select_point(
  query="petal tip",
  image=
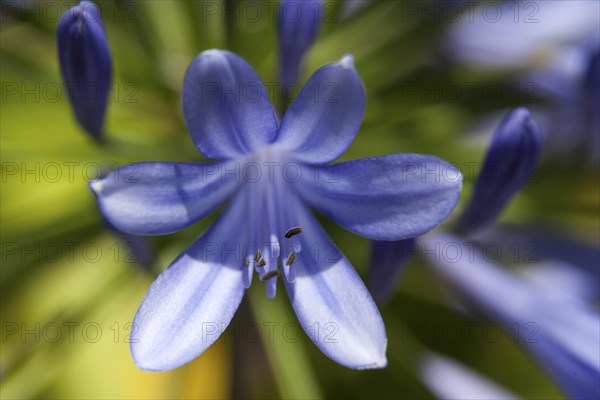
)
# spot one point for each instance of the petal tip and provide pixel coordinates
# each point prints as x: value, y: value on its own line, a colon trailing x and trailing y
x: 347, y: 61
x: 143, y: 362
x: 97, y: 185
x: 209, y: 52
x: 378, y: 364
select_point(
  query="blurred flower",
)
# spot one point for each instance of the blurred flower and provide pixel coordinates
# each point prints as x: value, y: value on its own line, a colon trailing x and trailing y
x: 509, y: 163
x: 298, y: 23
x: 449, y: 379
x: 550, y: 60
x: 85, y: 64
x: 562, y: 333
x: 544, y: 30
x: 569, y: 266
x: 271, y: 174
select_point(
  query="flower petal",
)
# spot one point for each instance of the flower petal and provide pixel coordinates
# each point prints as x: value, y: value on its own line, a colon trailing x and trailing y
x: 449, y: 379
x: 323, y: 120
x: 156, y: 198
x: 332, y: 304
x: 191, y: 303
x: 563, y: 334
x: 392, y: 197
x: 226, y: 106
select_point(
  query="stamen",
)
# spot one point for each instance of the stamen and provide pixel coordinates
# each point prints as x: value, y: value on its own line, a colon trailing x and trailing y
x: 257, y: 256
x: 270, y: 275
x: 291, y: 258
x: 246, y: 262
x: 261, y: 262
x: 293, y: 231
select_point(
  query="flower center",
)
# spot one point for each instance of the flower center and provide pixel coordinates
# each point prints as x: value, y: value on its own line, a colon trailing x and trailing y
x: 273, y: 237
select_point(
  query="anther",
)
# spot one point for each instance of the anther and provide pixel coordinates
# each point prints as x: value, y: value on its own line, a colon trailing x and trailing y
x: 269, y: 275
x: 246, y: 262
x: 291, y: 258
x: 257, y: 256
x: 293, y: 231
x: 261, y: 262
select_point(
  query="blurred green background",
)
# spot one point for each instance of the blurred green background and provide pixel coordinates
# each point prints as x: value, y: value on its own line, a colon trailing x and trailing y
x: 69, y: 287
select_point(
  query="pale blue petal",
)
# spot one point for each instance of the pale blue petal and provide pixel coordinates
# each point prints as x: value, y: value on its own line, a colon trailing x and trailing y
x: 488, y: 37
x: 562, y: 333
x: 392, y: 197
x: 332, y: 304
x: 191, y: 303
x: 324, y: 118
x: 449, y: 379
x: 226, y: 106
x: 156, y: 198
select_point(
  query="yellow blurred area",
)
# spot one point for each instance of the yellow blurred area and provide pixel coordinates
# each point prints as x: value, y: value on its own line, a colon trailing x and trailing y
x: 66, y: 335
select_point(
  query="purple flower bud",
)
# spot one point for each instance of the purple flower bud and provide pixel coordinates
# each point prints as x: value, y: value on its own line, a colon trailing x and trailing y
x: 509, y: 163
x: 85, y: 64
x: 297, y: 28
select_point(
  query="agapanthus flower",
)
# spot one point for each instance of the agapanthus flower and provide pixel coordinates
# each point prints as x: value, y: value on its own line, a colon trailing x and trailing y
x: 85, y: 64
x: 562, y: 333
x: 271, y: 174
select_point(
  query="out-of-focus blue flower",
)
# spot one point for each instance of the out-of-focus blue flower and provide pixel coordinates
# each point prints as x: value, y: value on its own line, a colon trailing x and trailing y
x: 271, y: 174
x: 298, y: 24
x: 544, y: 30
x: 449, y: 379
x: 85, y: 64
x: 562, y: 333
x: 509, y: 163
x: 388, y: 260
x: 550, y: 60
x: 550, y: 259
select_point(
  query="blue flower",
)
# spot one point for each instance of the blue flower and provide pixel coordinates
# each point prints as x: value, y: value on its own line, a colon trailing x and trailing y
x: 270, y: 174
x: 508, y: 165
x: 298, y: 23
x: 85, y: 64
x: 545, y: 29
x: 562, y: 333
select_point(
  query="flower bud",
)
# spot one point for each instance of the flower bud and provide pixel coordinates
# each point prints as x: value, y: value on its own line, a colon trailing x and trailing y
x: 85, y: 64
x: 509, y: 163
